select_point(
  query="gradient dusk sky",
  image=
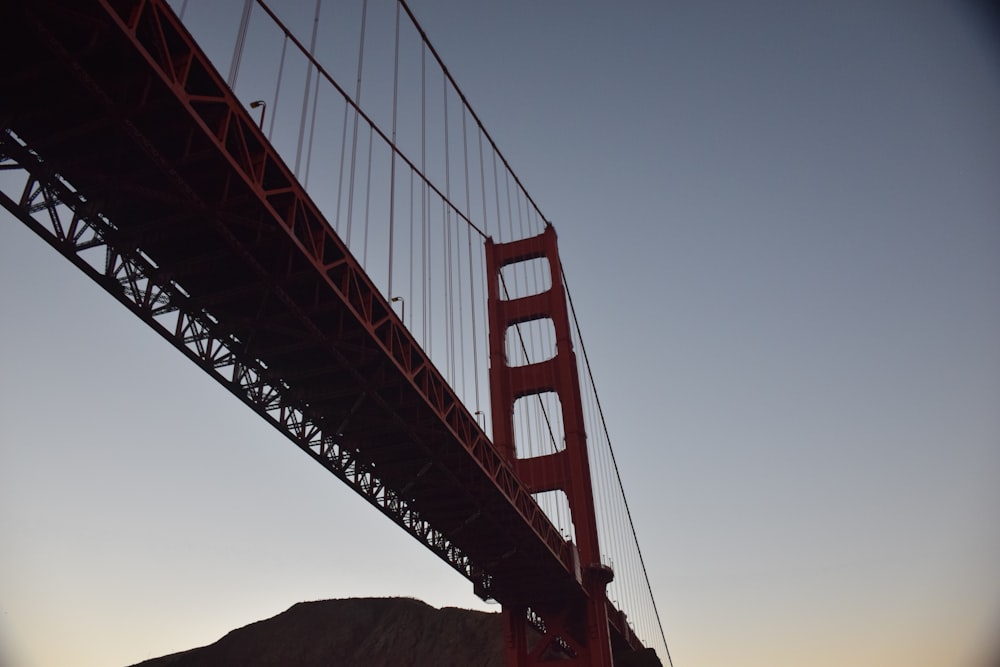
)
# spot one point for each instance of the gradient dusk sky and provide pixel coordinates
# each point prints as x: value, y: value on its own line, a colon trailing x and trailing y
x: 780, y: 222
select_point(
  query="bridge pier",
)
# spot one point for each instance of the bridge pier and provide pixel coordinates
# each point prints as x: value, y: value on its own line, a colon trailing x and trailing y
x: 571, y: 630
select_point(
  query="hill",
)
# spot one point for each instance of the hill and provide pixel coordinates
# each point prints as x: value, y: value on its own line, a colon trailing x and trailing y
x: 373, y: 632
x: 369, y: 632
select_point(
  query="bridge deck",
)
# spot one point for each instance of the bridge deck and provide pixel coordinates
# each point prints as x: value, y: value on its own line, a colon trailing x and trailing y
x: 117, y: 99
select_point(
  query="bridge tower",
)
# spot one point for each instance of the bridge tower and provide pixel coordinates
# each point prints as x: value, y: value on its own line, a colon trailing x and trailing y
x: 572, y: 631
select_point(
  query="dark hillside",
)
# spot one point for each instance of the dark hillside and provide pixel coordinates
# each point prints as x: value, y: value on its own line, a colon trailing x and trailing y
x: 371, y: 632
x: 364, y: 632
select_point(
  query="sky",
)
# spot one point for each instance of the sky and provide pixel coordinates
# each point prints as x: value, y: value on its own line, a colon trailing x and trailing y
x: 781, y: 227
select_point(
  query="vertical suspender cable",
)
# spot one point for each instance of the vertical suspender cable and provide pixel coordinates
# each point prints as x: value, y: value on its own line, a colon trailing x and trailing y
x: 354, y: 141
x: 340, y: 173
x: 446, y: 221
x: 465, y: 164
x: 510, y: 215
x: 482, y: 184
x: 520, y: 218
x: 449, y: 297
x: 312, y: 133
x: 241, y: 38
x: 461, y: 279
x: 277, y: 88
x: 368, y: 195
x: 496, y: 193
x: 472, y: 298
x: 423, y: 196
x: 392, y: 154
x: 305, y: 93
x: 461, y: 306
x: 410, y: 294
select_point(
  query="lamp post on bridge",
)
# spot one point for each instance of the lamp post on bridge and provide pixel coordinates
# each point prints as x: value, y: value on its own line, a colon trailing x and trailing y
x: 263, y: 110
x: 402, y: 310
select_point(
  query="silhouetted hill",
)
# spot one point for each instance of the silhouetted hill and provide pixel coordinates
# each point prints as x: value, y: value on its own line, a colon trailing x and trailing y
x: 371, y: 632
x: 363, y: 632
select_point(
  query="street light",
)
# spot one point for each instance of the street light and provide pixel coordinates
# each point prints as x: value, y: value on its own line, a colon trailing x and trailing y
x: 402, y: 315
x: 263, y: 110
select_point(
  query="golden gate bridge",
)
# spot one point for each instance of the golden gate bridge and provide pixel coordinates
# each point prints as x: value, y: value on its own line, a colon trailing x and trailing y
x: 336, y: 238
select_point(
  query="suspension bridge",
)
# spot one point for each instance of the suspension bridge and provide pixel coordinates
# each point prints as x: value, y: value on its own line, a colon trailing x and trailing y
x: 329, y: 231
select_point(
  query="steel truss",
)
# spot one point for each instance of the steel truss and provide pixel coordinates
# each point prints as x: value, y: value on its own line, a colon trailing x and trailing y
x: 71, y: 224
x: 157, y: 160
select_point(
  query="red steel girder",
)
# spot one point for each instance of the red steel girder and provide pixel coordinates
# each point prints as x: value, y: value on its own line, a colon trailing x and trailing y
x: 177, y: 129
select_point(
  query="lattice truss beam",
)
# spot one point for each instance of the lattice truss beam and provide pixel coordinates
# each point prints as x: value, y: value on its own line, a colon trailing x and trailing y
x: 69, y: 222
x: 201, y: 220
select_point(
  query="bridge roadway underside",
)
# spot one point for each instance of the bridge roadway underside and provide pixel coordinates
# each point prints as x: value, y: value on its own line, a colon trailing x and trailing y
x: 97, y: 111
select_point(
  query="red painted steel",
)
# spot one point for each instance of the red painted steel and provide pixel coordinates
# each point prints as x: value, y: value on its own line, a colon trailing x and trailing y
x: 575, y: 627
x: 121, y: 121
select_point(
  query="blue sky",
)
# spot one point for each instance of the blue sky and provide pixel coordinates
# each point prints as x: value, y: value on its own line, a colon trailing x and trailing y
x: 781, y: 228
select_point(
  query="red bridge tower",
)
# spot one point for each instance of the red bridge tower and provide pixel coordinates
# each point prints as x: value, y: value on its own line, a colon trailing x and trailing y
x: 573, y: 631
